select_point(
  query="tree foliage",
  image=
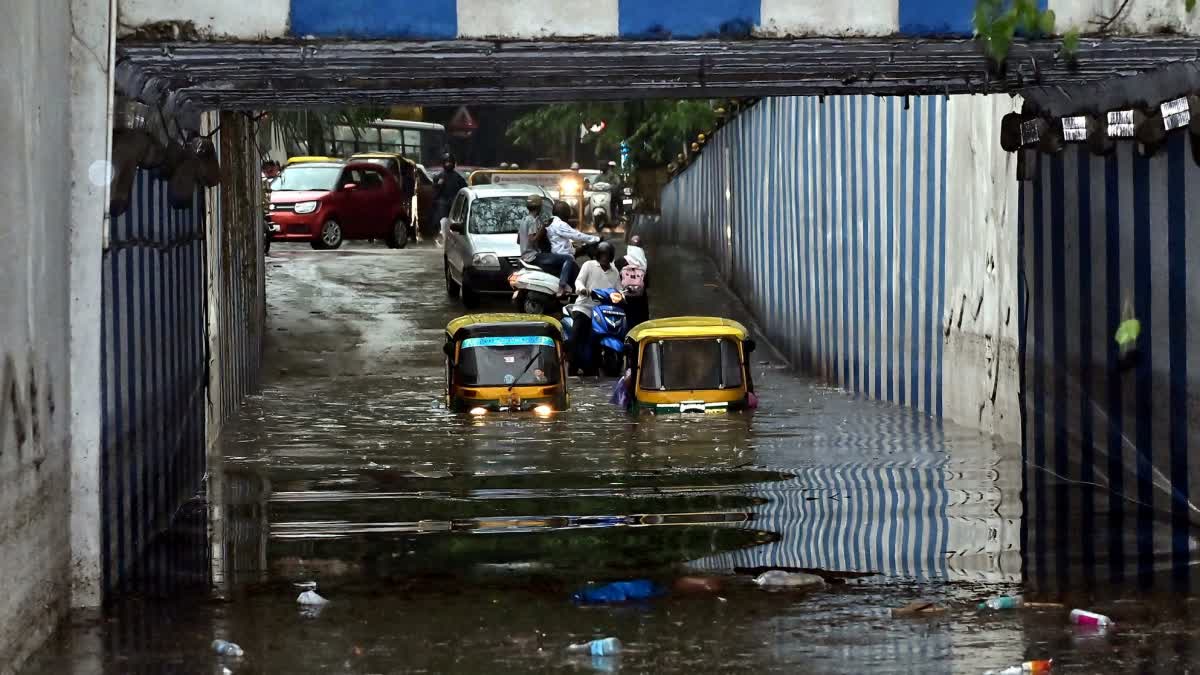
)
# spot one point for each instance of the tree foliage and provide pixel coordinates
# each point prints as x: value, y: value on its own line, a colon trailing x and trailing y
x: 311, y: 131
x: 654, y: 129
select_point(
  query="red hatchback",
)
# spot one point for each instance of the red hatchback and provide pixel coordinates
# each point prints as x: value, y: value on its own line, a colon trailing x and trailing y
x: 325, y: 203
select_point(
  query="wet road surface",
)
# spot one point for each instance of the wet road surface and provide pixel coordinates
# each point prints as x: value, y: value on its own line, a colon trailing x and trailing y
x: 452, y: 544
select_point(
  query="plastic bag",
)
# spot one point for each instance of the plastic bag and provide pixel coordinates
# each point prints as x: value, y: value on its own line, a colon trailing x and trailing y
x: 620, y: 395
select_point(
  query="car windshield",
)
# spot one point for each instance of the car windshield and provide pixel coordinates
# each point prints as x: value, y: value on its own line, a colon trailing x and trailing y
x: 682, y: 365
x: 497, y: 215
x: 508, y: 361
x: 306, y: 178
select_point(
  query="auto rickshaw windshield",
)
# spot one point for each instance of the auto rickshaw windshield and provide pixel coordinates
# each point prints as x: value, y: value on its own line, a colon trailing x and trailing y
x: 508, y: 361
x: 683, y: 365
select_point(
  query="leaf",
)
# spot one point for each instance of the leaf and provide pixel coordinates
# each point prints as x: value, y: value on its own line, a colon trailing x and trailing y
x: 1070, y: 43
x: 1046, y: 22
x: 1189, y: 4
x: 1128, y: 332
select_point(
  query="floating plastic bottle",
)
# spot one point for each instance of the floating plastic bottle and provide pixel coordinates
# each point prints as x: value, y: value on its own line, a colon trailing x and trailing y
x: 1041, y: 666
x: 1003, y: 602
x: 604, y: 647
x: 224, y: 648
x: 1085, y: 618
x: 618, y: 591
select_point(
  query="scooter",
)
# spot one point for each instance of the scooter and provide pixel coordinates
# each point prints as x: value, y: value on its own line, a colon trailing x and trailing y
x: 535, y: 291
x: 600, y: 206
x: 604, y: 351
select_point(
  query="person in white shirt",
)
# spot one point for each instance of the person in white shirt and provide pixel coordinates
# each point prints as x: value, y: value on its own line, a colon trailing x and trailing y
x: 596, y: 274
x: 562, y: 235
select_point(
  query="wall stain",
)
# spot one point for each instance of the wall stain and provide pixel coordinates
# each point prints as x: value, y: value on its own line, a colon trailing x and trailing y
x: 11, y: 404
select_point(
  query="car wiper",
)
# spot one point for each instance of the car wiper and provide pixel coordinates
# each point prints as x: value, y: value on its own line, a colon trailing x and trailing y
x: 536, y: 356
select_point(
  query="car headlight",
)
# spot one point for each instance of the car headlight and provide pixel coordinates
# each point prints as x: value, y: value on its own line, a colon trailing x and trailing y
x: 306, y: 207
x: 485, y: 260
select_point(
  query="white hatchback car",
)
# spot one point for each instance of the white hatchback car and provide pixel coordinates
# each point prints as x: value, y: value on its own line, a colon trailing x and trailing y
x: 480, y: 235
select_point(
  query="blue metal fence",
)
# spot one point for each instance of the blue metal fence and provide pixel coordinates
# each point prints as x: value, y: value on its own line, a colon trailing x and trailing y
x: 1108, y: 436
x: 154, y: 373
x: 829, y: 219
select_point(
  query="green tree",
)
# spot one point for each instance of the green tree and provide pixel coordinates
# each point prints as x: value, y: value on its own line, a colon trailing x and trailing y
x: 311, y: 131
x: 654, y: 129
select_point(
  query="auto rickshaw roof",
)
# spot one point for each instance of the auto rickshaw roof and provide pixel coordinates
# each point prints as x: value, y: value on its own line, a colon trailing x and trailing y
x: 689, y: 327
x: 492, y: 325
x: 312, y: 160
x: 382, y: 155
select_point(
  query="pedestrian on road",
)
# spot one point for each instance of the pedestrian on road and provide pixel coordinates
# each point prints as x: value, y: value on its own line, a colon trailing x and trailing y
x: 447, y: 185
x: 637, y: 302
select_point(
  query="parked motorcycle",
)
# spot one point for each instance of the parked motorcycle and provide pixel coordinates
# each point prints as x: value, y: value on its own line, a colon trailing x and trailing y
x: 603, y: 350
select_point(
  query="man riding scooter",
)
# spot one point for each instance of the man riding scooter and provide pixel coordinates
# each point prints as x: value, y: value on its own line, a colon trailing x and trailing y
x: 597, y: 315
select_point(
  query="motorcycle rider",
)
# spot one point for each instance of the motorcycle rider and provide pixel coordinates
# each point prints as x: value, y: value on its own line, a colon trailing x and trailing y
x: 534, y: 239
x: 562, y: 236
x: 614, y: 181
x: 446, y: 187
x: 596, y: 274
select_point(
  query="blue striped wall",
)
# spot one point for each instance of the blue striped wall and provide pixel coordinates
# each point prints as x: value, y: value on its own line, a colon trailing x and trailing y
x: 1108, y: 443
x: 829, y: 220
x: 624, y: 19
x: 154, y: 375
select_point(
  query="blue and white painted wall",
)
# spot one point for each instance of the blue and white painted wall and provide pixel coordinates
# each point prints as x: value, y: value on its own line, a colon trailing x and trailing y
x: 1110, y: 442
x: 830, y: 219
x: 613, y: 19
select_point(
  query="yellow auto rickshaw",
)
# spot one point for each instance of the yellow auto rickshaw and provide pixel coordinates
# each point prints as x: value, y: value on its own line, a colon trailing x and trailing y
x: 310, y: 160
x: 691, y: 364
x: 505, y: 363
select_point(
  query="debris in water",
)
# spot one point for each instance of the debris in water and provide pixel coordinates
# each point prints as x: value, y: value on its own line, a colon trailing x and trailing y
x: 781, y: 579
x: 309, y: 597
x: 918, y: 608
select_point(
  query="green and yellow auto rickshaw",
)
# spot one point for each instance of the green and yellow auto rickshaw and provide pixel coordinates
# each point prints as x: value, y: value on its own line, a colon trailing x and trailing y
x: 690, y: 364
x: 505, y: 363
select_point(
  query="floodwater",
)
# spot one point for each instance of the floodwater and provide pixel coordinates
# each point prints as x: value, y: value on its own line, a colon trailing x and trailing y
x: 453, y: 544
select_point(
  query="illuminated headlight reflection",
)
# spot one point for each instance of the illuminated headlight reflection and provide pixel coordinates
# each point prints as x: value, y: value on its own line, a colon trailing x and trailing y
x: 543, y: 410
x: 306, y: 207
x: 478, y: 411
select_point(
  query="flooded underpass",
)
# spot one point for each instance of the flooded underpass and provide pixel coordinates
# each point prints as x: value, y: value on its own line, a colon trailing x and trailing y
x: 448, y: 543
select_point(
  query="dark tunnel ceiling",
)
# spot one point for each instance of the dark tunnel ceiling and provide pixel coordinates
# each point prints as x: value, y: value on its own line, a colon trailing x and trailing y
x: 303, y: 74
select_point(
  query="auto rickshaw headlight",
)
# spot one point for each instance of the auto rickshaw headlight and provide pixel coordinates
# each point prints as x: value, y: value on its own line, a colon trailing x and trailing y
x: 478, y: 411
x: 543, y: 410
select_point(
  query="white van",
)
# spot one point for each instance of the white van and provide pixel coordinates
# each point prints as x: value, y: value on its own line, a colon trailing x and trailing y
x: 480, y: 235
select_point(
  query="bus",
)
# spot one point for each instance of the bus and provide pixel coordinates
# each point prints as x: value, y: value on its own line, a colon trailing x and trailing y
x: 422, y: 142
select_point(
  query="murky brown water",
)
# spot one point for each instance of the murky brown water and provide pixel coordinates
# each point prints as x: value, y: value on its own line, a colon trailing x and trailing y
x: 452, y: 544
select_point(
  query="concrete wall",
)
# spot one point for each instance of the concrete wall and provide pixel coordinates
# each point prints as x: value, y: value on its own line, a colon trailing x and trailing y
x: 980, y: 322
x: 34, y: 333
x: 630, y: 19
x: 54, y: 84
x: 1144, y: 17
x: 1104, y: 239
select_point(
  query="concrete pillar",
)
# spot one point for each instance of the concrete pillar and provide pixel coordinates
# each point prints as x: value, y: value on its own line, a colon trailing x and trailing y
x: 93, y: 24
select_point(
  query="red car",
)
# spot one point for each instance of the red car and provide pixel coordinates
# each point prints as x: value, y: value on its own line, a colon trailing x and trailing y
x: 325, y: 203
